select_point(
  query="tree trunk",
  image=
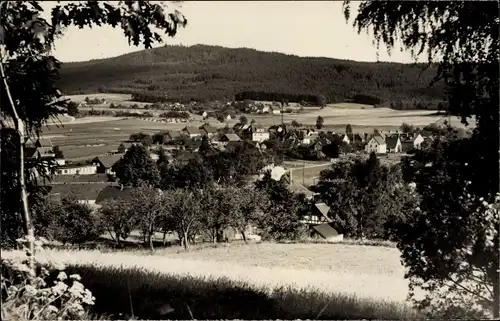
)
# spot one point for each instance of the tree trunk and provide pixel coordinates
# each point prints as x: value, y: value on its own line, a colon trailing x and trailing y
x: 496, y: 297
x: 164, y: 236
x: 185, y: 240
x: 28, y: 225
x: 151, y: 246
x: 244, y: 236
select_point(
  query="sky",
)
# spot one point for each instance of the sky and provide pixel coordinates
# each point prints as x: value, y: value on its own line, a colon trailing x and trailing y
x: 302, y: 28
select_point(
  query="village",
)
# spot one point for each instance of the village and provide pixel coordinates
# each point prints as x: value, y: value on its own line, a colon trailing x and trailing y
x: 93, y: 181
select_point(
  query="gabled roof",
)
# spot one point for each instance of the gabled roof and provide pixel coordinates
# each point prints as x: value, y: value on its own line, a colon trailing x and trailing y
x: 391, y: 141
x: 208, y: 128
x: 323, y: 209
x: 114, y: 193
x: 81, y: 191
x: 299, y: 188
x: 326, y: 230
x: 173, y: 133
x: 231, y: 137
x: 192, y: 130
x: 94, y: 178
x: 379, y: 139
x: 108, y: 160
x: 44, y: 142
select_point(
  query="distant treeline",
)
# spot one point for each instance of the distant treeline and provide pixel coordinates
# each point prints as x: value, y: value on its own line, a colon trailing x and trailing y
x: 317, y: 100
x: 209, y: 73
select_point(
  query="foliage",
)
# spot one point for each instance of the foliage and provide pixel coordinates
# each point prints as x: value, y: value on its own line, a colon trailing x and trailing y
x: 58, y: 152
x: 282, y: 209
x: 448, y: 232
x: 118, y: 218
x: 27, y: 41
x: 182, y: 211
x: 136, y: 166
x: 364, y: 196
x: 44, y: 294
x: 319, y: 122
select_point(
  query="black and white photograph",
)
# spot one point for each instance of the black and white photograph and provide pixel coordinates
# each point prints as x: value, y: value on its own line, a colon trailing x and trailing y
x: 249, y: 160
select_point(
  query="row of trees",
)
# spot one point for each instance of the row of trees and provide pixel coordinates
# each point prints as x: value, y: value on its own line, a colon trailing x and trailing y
x: 318, y: 100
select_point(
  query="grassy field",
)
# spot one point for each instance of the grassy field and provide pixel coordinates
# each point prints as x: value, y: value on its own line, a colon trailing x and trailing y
x: 255, y: 281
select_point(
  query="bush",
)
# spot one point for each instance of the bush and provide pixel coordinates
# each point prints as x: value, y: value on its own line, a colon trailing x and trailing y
x: 46, y: 293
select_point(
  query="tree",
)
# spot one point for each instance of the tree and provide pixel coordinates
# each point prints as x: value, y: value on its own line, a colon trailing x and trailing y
x: 29, y: 72
x: 205, y: 147
x: 243, y: 120
x: 149, y: 207
x: 75, y: 223
x: 118, y: 218
x: 406, y: 128
x: 73, y: 109
x: 136, y: 166
x: 294, y: 123
x: 182, y: 212
x: 465, y: 37
x: 348, y: 130
x: 281, y: 207
x: 249, y: 205
x: 58, y: 152
x: 319, y: 122
x: 121, y: 149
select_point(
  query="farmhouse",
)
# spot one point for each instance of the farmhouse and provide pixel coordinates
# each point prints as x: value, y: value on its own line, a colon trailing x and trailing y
x: 192, y: 132
x: 76, y: 179
x: 105, y: 163
x: 77, y: 169
x: 208, y: 130
x: 259, y: 133
x: 317, y: 215
x: 170, y: 136
x: 43, y: 146
x: 376, y: 145
x: 394, y: 144
x: 319, y: 143
x: 328, y: 231
x: 228, y: 138
x: 113, y: 192
x: 84, y: 193
x: 320, y: 224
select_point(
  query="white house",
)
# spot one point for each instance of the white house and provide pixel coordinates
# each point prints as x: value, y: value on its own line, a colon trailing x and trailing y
x: 376, y: 144
x: 192, y: 132
x: 417, y: 141
x: 228, y: 117
x: 77, y: 169
x: 259, y: 133
x: 277, y: 112
x: 346, y: 139
x: 205, y: 114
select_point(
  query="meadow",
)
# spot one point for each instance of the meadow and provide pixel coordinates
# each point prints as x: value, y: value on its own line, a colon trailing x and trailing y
x: 253, y: 281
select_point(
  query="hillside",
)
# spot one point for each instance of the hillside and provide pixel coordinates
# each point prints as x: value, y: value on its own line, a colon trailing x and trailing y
x: 204, y: 73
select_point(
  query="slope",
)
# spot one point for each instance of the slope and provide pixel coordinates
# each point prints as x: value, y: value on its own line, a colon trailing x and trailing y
x: 206, y: 73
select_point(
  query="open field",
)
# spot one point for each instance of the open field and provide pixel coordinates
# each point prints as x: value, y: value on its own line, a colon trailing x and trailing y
x: 355, y: 282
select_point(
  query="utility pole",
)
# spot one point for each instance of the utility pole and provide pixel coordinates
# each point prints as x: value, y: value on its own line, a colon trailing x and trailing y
x: 303, y: 172
x: 282, y: 122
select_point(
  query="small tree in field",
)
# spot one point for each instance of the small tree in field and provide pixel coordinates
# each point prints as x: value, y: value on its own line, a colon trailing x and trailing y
x: 319, y: 122
x: 148, y: 207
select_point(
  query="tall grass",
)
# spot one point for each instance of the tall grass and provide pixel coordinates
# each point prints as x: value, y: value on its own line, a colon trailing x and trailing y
x: 117, y: 289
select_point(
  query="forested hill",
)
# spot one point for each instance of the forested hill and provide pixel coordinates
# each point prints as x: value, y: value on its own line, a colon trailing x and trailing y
x: 206, y: 73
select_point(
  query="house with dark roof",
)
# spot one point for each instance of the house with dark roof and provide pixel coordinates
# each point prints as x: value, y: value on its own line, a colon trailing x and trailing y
x: 319, y: 143
x: 192, y: 132
x: 393, y: 143
x: 226, y: 138
x: 377, y: 145
x: 43, y: 147
x: 114, y: 192
x: 105, y: 163
x: 208, y: 130
x: 84, y: 193
x: 318, y: 215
